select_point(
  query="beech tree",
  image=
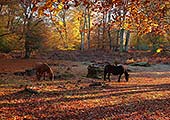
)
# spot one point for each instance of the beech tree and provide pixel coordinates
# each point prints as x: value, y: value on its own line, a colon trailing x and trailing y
x: 29, y: 22
x: 100, y: 17
x: 11, y: 25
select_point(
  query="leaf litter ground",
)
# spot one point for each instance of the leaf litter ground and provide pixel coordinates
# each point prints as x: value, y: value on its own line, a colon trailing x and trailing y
x: 145, y: 97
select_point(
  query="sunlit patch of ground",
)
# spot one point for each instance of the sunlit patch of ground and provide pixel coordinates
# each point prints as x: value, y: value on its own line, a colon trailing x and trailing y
x: 145, y: 97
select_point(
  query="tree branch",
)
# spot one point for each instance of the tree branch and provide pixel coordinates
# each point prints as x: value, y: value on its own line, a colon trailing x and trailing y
x: 2, y: 35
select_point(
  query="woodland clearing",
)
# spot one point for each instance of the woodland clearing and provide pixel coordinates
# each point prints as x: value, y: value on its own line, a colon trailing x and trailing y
x: 144, y: 97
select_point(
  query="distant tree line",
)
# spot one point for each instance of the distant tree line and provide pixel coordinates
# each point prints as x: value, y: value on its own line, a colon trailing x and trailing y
x: 31, y: 25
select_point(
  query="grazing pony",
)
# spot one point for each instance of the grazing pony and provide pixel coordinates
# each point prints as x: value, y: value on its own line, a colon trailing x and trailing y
x: 115, y: 70
x: 43, y: 70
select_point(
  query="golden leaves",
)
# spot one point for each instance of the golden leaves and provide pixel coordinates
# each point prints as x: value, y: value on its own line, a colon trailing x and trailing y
x: 52, y: 6
x: 159, y: 50
x: 40, y: 11
x: 146, y: 95
x: 60, y: 6
x: 143, y: 16
x: 61, y: 23
x: 154, y: 24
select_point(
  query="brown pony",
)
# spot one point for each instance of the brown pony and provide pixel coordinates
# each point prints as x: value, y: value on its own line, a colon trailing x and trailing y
x: 43, y: 70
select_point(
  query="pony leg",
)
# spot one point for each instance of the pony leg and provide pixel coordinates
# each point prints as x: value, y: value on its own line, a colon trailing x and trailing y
x: 51, y: 76
x: 109, y: 76
x: 119, y: 77
x: 44, y: 75
x: 105, y: 74
x: 38, y: 75
x: 126, y: 75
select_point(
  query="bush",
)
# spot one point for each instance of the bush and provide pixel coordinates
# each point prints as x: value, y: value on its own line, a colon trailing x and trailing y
x: 4, y: 47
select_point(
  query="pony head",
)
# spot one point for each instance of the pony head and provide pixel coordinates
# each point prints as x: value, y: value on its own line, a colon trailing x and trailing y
x: 126, y: 76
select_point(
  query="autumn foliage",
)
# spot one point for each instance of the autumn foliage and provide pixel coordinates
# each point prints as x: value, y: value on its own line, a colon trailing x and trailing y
x: 146, y: 15
x: 81, y: 24
x: 144, y: 96
x: 71, y: 35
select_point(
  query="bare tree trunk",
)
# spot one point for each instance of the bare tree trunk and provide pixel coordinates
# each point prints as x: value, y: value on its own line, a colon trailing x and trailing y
x: 26, y: 28
x: 138, y: 42
x: 88, y: 34
x: 25, y: 34
x: 109, y: 34
x: 117, y: 40
x: 65, y: 29
x: 27, y: 45
x: 98, y: 36
x: 28, y: 48
x: 121, y: 39
x: 82, y: 36
x: 104, y: 31
x: 123, y: 12
x: 127, y: 41
x: 83, y: 30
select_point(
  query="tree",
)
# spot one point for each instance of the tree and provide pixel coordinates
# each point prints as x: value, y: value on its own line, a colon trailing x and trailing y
x: 127, y: 40
x: 127, y: 16
x: 89, y: 25
x: 29, y: 22
x: 10, y: 22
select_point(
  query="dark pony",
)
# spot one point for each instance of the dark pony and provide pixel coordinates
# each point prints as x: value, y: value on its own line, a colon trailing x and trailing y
x: 115, y: 70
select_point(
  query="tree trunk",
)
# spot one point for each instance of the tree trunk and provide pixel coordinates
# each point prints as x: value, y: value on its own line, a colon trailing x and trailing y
x: 109, y: 34
x: 88, y: 34
x: 82, y: 41
x: 27, y: 52
x: 82, y: 37
x: 25, y: 34
x: 127, y: 40
x: 83, y: 30
x: 27, y: 42
x: 110, y: 40
x: 65, y: 29
x: 27, y: 48
x: 138, y: 43
x: 98, y: 36
x: 117, y: 41
x: 104, y: 31
x: 121, y: 39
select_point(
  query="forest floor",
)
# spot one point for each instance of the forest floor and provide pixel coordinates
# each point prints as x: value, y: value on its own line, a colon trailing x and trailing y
x: 146, y: 96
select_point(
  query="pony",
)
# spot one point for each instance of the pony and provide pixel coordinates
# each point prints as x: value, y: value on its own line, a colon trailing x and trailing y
x: 44, y: 70
x: 115, y: 70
